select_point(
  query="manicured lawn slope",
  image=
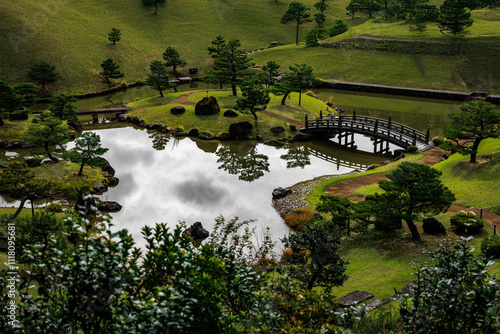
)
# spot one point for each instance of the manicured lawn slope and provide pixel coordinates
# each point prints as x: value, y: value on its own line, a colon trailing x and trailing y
x: 73, y: 35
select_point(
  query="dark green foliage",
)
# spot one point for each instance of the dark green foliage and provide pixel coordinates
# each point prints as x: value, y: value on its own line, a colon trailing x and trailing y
x: 426, y: 13
x: 270, y: 72
x: 298, y: 77
x: 437, y: 141
x: 110, y: 70
x: 172, y: 58
x: 19, y: 181
x: 369, y: 6
x: 53, y: 207
x: 14, y: 99
x: 230, y: 63
x: 412, y: 191
x: 411, y: 149
x: 466, y: 222
x: 158, y: 77
x: 42, y: 72
x: 87, y: 149
x: 454, y: 294
x: 453, y: 17
x: 102, y: 284
x: 339, y: 27
x: 314, y: 35
x: 297, y: 12
x: 340, y: 210
x: 476, y: 121
x: 320, y: 17
x: 314, y: 259
x: 49, y: 134
x: 115, y: 35
x: 490, y: 246
x: 255, y: 96
x: 408, y: 8
x: 37, y: 229
x: 154, y: 3
x: 353, y: 7
x: 62, y: 106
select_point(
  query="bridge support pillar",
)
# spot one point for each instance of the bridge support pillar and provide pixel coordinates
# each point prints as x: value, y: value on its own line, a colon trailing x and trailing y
x: 378, y: 146
x: 346, y: 139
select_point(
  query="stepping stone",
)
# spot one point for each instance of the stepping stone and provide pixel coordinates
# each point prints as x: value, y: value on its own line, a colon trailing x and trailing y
x: 354, y: 297
x: 374, y: 303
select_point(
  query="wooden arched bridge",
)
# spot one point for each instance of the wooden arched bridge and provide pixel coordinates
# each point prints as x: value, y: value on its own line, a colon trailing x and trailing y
x: 382, y: 131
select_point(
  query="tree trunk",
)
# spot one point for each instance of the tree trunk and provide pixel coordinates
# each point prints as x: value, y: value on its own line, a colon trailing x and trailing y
x: 18, y: 211
x: 413, y: 229
x: 1, y: 122
x: 51, y: 157
x: 283, y: 100
x: 32, y: 209
x: 474, y: 148
x: 253, y: 113
x: 233, y: 87
x: 297, y: 33
x: 300, y: 96
x: 161, y: 93
x: 81, y: 168
x: 156, y: 7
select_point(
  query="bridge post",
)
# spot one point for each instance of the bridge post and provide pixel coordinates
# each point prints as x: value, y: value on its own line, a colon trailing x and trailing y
x: 427, y: 136
x: 321, y: 114
x: 354, y: 115
x: 307, y: 125
x: 414, y: 142
x: 376, y: 125
x: 390, y: 122
x: 340, y: 120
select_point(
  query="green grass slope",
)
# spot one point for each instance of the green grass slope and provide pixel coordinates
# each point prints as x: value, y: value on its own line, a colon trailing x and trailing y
x: 73, y: 35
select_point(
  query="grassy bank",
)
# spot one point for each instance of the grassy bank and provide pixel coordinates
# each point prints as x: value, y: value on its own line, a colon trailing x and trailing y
x: 74, y: 37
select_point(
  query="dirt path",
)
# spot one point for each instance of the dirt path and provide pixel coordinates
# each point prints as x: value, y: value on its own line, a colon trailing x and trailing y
x: 346, y: 188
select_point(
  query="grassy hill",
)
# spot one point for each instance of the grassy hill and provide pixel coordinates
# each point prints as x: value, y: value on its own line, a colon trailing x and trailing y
x: 73, y: 35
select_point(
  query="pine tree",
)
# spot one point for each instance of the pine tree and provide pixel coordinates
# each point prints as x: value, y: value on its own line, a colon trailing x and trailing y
x: 110, y: 70
x: 42, y: 72
x: 296, y: 12
x: 172, y: 58
x: 115, y: 35
x: 158, y: 77
x: 454, y: 18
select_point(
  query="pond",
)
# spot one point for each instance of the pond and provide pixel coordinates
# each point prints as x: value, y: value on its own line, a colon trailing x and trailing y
x: 165, y: 179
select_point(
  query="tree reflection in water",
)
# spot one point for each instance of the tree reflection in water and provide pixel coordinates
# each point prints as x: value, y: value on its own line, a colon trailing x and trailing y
x: 297, y: 156
x: 242, y: 159
x: 160, y: 140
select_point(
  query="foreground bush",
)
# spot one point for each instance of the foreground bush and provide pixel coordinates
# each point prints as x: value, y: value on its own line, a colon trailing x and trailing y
x: 490, y: 246
x: 466, y: 222
x: 454, y: 294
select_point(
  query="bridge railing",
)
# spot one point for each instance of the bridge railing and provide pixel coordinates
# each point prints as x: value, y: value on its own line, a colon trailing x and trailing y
x: 370, y: 125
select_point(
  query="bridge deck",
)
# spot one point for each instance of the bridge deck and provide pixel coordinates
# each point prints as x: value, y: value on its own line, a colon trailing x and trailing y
x: 395, y: 133
x: 118, y: 110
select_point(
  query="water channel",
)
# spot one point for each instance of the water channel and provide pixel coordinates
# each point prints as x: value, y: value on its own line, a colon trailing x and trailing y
x: 164, y: 179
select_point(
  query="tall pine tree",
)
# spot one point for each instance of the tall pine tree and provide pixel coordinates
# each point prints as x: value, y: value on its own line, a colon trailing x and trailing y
x: 454, y: 18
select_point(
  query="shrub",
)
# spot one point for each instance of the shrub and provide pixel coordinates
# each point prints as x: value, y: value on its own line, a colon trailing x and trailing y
x: 466, y: 222
x: 339, y: 27
x: 310, y: 93
x: 411, y: 149
x: 436, y: 141
x: 223, y: 136
x: 490, y: 246
x: 54, y: 207
x: 293, y: 128
x: 19, y: 115
x: 179, y: 129
x: 298, y: 219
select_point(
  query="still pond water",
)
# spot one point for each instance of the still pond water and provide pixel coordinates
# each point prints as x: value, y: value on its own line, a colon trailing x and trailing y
x: 164, y: 179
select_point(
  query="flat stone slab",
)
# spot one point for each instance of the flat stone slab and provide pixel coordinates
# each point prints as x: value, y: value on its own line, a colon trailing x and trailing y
x: 354, y: 297
x: 406, y: 290
x: 374, y: 303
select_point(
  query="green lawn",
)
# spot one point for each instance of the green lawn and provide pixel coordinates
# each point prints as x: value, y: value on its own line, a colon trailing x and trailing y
x: 73, y: 35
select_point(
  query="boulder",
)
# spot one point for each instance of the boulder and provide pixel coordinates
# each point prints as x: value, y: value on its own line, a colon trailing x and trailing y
x: 240, y: 130
x: 110, y: 206
x: 301, y: 137
x: 281, y: 192
x: 13, y: 145
x: 76, y: 125
x: 277, y: 129
x: 84, y: 205
x: 196, y: 231
x: 433, y: 226
x: 150, y: 126
x: 122, y: 117
x: 193, y: 133
x: 354, y: 297
x: 273, y: 142
x: 135, y: 120
x: 181, y: 134
x: 142, y: 124
x: 163, y: 128
x: 230, y: 113
x: 207, y: 106
x: 206, y: 136
x: 177, y: 110
x: 100, y: 187
x: 113, y: 181
x: 105, y: 166
x: 32, y: 162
